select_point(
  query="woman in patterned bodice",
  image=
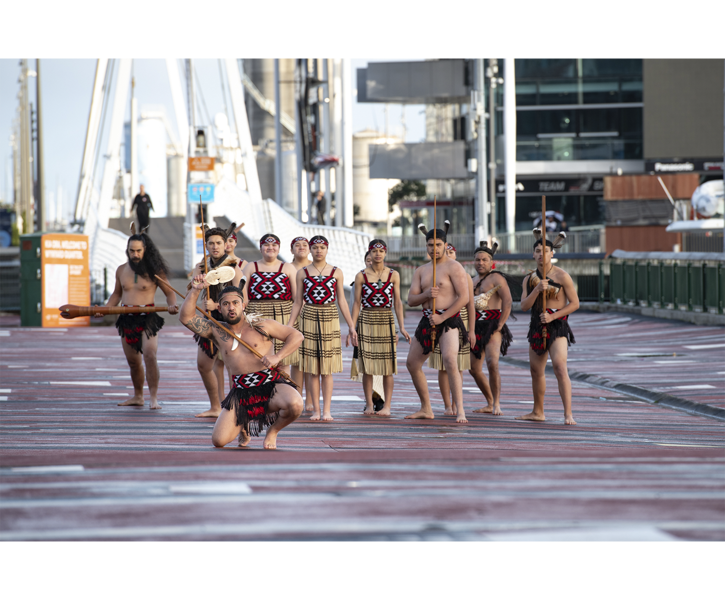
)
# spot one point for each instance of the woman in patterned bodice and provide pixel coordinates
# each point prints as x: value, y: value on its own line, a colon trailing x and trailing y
x: 319, y: 292
x: 377, y: 292
x: 271, y: 286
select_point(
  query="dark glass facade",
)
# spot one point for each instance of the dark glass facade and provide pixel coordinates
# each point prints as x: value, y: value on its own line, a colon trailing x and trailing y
x: 578, y: 109
x: 572, y: 110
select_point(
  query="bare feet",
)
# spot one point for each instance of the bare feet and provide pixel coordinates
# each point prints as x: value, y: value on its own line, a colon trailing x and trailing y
x: 315, y: 415
x: 209, y: 413
x: 461, y: 419
x: 270, y: 440
x: 497, y: 409
x: 244, y: 438
x: 135, y: 401
x: 450, y: 411
x: 309, y: 408
x: 421, y: 414
x: 485, y: 409
x: 154, y: 404
x: 383, y: 412
x: 531, y: 417
x: 369, y: 410
x: 327, y: 417
x: 569, y: 420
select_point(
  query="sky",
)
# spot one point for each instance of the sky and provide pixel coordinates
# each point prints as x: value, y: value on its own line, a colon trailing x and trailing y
x: 66, y: 88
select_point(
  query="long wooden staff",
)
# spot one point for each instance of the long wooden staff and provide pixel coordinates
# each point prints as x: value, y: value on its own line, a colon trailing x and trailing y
x: 234, y: 335
x: 543, y: 253
x: 203, y: 245
x: 435, y: 222
x: 71, y: 311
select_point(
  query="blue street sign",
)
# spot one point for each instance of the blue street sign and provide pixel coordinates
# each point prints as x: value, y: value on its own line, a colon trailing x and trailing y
x: 206, y: 190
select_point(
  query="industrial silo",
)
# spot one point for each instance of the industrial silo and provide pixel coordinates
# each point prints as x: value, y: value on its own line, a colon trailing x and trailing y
x: 370, y: 196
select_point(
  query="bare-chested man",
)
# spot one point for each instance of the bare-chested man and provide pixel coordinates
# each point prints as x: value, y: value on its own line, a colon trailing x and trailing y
x: 492, y: 305
x: 561, y: 301
x: 300, y: 247
x: 136, y: 286
x: 208, y: 363
x: 450, y: 291
x: 259, y: 397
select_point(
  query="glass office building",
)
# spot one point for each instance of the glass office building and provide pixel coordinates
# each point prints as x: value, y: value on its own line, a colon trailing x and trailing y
x: 577, y: 120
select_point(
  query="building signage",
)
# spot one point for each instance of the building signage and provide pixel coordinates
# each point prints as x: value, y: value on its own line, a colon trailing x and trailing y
x: 683, y: 166
x: 205, y: 191
x: 66, y: 278
x: 585, y: 185
x: 201, y: 163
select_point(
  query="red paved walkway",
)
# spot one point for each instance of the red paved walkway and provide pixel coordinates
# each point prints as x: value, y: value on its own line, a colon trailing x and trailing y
x: 76, y: 466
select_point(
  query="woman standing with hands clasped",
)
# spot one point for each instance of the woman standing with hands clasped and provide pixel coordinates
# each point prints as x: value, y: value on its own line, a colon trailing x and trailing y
x: 377, y: 291
x: 319, y: 291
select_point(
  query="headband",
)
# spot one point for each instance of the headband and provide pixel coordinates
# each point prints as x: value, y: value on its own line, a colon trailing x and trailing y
x: 438, y: 233
x: 298, y: 239
x: 233, y: 236
x: 483, y: 247
x: 230, y: 289
x: 451, y: 247
x: 269, y: 238
x: 558, y: 242
x: 378, y: 245
x: 319, y: 239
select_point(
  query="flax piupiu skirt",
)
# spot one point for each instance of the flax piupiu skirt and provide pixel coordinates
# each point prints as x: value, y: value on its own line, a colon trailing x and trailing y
x: 321, y: 350
x: 278, y: 310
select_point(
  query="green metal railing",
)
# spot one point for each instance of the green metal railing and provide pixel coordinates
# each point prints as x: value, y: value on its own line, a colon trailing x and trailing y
x: 691, y: 284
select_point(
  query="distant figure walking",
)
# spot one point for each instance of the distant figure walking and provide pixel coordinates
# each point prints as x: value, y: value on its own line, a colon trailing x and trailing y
x: 142, y: 203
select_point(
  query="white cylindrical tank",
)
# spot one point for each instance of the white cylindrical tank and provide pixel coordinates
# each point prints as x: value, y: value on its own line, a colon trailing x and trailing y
x: 152, y: 167
x: 177, y: 186
x: 370, y: 196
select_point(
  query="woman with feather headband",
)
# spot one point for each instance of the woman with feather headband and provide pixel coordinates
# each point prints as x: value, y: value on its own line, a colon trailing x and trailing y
x: 208, y: 360
x: 549, y: 331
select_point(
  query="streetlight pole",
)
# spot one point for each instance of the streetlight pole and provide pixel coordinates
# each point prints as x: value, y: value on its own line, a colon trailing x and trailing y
x: 493, y: 81
x: 480, y: 213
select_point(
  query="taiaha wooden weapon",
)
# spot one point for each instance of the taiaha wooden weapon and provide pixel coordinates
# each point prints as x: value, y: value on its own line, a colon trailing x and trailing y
x: 203, y: 245
x: 435, y: 249
x: 543, y: 253
x: 71, y: 311
x: 234, y: 335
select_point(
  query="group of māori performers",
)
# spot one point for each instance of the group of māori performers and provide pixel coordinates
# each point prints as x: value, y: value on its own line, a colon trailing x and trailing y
x: 274, y: 327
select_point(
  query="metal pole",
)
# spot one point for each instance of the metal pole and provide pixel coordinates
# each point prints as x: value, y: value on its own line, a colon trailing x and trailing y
x: 509, y: 115
x: 190, y: 91
x: 278, y: 191
x: 134, y: 156
x: 481, y: 220
x: 299, y: 79
x: 493, y: 75
x: 326, y: 136
x: 39, y: 166
x: 346, y: 183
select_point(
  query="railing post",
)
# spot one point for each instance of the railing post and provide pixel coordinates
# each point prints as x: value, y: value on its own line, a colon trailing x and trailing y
x: 689, y: 286
x: 674, y: 287
x: 648, y: 288
x: 718, y: 283
x: 105, y: 283
x: 601, y: 281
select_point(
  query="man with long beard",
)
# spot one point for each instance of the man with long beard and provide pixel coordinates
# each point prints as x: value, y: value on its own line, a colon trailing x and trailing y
x: 136, y: 286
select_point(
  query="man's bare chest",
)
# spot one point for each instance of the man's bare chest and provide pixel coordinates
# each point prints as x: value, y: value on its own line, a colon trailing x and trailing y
x: 131, y: 282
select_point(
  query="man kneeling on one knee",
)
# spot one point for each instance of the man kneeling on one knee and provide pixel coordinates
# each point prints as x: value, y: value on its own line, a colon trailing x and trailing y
x: 260, y: 398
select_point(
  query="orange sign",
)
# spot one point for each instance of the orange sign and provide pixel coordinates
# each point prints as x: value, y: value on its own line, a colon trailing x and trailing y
x: 201, y: 163
x: 66, y: 277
